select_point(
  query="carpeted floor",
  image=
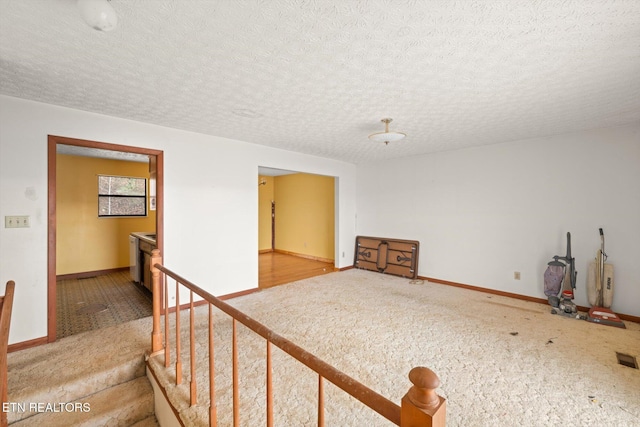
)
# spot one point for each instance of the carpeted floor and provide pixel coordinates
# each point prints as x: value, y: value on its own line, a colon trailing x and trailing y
x: 502, y: 362
x: 98, y: 302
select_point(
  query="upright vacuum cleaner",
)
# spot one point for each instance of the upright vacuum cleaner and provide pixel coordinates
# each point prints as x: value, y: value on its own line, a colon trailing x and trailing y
x: 560, y: 276
x: 600, y: 290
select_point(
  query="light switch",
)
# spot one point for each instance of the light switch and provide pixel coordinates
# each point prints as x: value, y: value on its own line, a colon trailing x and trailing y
x: 16, y: 221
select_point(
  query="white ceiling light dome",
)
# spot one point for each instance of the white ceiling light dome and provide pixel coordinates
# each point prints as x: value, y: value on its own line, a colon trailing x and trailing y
x: 386, y: 136
x: 98, y: 14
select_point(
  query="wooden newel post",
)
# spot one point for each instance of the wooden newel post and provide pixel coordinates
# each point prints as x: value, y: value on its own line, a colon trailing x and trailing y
x: 156, y: 334
x: 421, y: 406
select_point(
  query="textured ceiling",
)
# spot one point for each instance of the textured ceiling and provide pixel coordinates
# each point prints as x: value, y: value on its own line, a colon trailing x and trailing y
x: 75, y: 150
x: 316, y: 76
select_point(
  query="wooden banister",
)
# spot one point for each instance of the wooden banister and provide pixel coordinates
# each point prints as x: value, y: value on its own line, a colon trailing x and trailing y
x: 375, y: 401
x: 423, y: 407
x: 6, y: 306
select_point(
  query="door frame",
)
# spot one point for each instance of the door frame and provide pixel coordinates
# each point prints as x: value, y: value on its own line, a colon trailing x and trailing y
x: 53, y: 141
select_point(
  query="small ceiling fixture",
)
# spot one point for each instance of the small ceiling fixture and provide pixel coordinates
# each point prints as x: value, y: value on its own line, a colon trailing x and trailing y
x: 386, y: 136
x: 98, y: 14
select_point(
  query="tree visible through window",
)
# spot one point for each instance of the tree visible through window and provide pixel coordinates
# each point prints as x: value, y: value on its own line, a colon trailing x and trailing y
x: 122, y: 196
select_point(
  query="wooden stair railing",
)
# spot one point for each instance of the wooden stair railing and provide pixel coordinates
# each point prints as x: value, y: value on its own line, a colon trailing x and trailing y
x: 420, y: 407
x: 6, y: 305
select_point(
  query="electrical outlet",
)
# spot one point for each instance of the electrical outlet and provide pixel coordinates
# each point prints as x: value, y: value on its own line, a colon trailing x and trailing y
x: 16, y: 221
x: 516, y: 275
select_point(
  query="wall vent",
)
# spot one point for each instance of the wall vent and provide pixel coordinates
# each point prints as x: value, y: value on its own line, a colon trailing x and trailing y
x: 627, y: 360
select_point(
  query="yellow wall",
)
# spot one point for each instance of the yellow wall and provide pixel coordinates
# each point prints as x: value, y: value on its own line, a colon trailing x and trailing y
x: 265, y: 196
x: 84, y: 241
x: 305, y: 214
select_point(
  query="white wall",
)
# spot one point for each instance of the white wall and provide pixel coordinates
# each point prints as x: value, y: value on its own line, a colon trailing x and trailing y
x: 480, y: 214
x: 211, y: 201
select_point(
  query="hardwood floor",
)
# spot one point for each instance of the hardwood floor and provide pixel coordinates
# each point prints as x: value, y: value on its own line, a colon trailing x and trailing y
x: 277, y: 269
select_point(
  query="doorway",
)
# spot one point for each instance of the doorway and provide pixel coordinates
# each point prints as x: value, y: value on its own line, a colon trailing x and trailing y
x: 155, y: 158
x: 296, y: 230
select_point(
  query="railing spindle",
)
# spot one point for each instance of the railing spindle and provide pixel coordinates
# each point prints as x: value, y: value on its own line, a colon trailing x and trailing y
x: 269, y: 387
x: 236, y: 396
x: 178, y: 349
x: 156, y: 333
x: 167, y: 343
x: 192, y: 352
x: 213, y: 417
x: 320, y: 401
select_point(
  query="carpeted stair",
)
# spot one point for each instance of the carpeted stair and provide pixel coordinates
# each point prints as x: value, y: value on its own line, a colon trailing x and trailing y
x: 92, y: 379
x: 126, y: 404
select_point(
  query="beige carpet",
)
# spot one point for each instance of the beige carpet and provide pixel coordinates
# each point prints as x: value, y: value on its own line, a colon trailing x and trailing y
x: 74, y: 368
x: 502, y: 362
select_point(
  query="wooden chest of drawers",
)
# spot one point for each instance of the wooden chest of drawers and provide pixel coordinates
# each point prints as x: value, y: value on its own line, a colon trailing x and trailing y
x: 391, y: 256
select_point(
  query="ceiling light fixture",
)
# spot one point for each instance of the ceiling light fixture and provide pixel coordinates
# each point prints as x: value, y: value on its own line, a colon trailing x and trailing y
x: 98, y: 14
x: 386, y: 136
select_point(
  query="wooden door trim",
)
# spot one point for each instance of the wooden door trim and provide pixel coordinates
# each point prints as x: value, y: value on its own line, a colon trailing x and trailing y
x: 53, y: 141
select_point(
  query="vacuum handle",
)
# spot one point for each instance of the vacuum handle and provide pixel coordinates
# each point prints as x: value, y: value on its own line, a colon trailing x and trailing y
x: 604, y: 255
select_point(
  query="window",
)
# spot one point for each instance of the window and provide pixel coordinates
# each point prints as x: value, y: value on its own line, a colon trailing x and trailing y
x: 121, y: 196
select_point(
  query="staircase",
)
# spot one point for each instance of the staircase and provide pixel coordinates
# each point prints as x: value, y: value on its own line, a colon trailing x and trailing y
x: 91, y: 379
